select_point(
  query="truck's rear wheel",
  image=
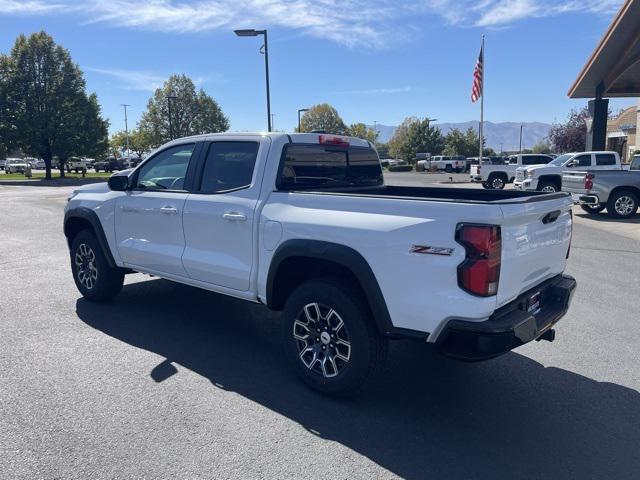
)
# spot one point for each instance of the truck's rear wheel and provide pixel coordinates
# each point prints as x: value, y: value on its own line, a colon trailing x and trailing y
x: 94, y: 278
x: 448, y: 168
x: 330, y: 337
x: 622, y: 204
x: 497, y: 182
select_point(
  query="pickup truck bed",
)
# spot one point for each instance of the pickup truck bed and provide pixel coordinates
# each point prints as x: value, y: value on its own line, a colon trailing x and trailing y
x: 443, y: 194
x: 616, y: 190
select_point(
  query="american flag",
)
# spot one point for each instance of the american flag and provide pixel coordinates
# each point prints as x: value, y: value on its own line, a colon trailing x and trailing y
x: 476, y: 90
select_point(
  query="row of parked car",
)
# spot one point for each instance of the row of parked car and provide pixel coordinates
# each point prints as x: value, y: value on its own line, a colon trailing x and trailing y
x: 617, y: 187
x: 74, y: 164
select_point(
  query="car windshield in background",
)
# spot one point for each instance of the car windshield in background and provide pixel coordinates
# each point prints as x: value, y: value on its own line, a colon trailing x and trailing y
x: 312, y: 166
x: 561, y: 160
x: 635, y: 163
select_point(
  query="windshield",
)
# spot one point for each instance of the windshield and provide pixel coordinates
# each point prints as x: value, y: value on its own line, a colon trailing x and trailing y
x: 561, y: 160
x: 635, y: 163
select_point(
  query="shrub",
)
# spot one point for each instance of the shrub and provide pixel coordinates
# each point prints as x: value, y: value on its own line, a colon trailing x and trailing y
x: 400, y: 168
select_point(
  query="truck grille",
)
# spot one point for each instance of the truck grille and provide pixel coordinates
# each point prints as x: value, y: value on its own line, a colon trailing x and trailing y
x: 519, y: 175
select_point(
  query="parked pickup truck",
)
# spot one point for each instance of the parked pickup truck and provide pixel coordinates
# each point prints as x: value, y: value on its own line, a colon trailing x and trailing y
x: 456, y: 163
x: 497, y: 176
x: 548, y: 178
x: 304, y: 224
x: 617, y: 191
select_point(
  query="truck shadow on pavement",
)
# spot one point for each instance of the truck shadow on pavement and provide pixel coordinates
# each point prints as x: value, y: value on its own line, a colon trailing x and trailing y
x: 427, y: 417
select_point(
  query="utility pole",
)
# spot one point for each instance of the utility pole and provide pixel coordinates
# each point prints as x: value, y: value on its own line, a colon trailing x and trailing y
x: 126, y: 128
x: 169, y: 98
x: 521, y: 127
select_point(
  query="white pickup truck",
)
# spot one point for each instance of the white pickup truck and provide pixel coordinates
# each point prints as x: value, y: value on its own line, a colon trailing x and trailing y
x: 497, y: 176
x: 548, y: 178
x: 304, y: 224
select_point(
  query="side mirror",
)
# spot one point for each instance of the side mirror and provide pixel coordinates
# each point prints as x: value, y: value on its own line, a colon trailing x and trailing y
x: 118, y: 183
x: 573, y: 163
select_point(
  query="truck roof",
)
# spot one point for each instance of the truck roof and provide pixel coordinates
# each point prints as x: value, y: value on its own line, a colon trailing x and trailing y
x: 311, y: 138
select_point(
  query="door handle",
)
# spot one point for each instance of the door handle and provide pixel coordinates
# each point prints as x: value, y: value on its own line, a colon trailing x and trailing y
x: 234, y: 217
x: 169, y: 210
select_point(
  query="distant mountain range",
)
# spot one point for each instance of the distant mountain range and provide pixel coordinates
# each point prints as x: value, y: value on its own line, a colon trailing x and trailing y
x: 506, y: 134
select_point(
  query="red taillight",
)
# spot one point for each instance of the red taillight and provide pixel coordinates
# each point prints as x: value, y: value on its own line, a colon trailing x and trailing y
x: 588, y: 181
x: 479, y: 274
x: 333, y: 140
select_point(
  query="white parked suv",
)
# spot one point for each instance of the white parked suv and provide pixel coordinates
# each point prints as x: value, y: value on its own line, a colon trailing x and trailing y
x: 304, y: 224
x: 548, y: 178
x: 497, y: 176
x: 15, y: 165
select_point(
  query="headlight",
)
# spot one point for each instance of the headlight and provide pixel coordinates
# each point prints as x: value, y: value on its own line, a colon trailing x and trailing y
x: 529, y: 174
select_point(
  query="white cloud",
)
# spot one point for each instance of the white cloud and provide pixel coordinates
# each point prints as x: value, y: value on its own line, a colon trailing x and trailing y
x: 144, y: 80
x: 368, y: 23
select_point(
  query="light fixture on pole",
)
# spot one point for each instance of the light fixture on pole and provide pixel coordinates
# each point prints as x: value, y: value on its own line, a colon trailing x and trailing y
x: 255, y: 33
x: 169, y: 98
x: 126, y: 127
x: 300, y: 110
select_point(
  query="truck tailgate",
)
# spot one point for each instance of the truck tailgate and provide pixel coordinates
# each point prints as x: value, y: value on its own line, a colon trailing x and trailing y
x: 573, y: 182
x: 474, y: 170
x: 535, y: 243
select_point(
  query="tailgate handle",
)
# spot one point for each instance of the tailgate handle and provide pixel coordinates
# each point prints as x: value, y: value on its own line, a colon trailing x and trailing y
x: 551, y: 217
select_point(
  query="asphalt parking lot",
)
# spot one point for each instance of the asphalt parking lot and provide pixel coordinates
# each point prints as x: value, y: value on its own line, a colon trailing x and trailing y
x: 168, y: 381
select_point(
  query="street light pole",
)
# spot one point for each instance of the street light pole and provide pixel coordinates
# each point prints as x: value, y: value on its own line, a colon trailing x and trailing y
x: 169, y: 98
x: 255, y: 33
x: 300, y: 110
x: 126, y: 128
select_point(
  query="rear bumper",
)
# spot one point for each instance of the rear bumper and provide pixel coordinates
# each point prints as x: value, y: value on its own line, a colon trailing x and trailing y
x: 510, y: 326
x: 582, y: 199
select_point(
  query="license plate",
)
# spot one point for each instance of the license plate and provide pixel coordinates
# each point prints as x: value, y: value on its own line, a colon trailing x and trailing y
x: 533, y: 303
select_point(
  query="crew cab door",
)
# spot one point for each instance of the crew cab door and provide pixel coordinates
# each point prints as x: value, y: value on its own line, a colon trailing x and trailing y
x: 148, y: 219
x: 219, y: 216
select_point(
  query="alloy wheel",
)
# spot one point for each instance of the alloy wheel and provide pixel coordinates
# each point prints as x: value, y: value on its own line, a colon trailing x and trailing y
x: 323, y: 342
x: 497, y: 183
x: 624, y: 205
x: 87, y: 271
x: 549, y: 189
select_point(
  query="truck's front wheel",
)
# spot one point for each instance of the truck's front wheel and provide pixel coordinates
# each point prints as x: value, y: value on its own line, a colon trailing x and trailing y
x: 330, y: 337
x: 94, y: 278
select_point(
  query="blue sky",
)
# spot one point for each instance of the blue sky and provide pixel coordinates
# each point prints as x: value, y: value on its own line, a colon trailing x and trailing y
x: 374, y: 60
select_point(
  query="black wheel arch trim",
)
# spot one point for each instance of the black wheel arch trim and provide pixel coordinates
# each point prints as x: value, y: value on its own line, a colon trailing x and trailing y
x: 90, y: 216
x: 353, y: 261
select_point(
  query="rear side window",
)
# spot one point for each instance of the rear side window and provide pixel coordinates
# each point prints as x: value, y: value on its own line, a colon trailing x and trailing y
x: 605, y: 159
x: 536, y: 160
x: 229, y: 166
x: 313, y: 166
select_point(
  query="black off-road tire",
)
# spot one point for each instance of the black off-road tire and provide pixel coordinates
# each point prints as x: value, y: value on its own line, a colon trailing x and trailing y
x: 497, y: 181
x: 88, y: 259
x: 367, y: 346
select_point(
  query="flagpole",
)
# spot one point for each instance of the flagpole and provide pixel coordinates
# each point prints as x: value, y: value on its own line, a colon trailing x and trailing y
x: 481, y: 129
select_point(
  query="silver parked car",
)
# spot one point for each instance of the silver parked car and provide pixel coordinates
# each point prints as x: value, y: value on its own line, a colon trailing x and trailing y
x: 15, y: 165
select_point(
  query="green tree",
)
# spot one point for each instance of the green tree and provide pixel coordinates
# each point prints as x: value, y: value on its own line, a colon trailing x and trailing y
x: 422, y: 137
x: 383, y: 150
x: 400, y: 137
x: 140, y: 142
x: 118, y: 142
x: 360, y: 130
x: 541, y: 147
x: 45, y: 108
x: 322, y: 117
x: 192, y: 112
x: 459, y: 143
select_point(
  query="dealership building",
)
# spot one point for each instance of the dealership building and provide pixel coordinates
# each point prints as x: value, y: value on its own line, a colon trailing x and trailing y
x: 613, y: 70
